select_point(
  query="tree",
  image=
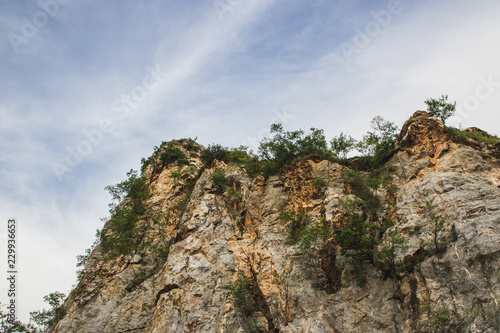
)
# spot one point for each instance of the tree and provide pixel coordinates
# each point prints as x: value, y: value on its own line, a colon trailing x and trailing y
x: 342, y: 145
x: 213, y: 152
x: 286, y: 146
x: 7, y: 325
x: 118, y: 235
x: 47, y: 318
x: 437, y: 225
x: 440, y: 108
x: 380, y: 143
x: 393, y: 245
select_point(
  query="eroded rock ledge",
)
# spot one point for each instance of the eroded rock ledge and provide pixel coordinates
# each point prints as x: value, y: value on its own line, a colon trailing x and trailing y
x: 218, y: 242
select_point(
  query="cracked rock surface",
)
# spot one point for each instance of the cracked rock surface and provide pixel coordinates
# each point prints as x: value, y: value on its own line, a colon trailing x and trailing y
x: 215, y: 241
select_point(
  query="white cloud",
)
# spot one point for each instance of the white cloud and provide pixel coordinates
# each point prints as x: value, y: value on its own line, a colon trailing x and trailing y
x: 226, y: 81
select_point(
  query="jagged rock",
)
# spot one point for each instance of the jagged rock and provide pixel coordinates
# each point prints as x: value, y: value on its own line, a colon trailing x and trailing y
x: 217, y: 242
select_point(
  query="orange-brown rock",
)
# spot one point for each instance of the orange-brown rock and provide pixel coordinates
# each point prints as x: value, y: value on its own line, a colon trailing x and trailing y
x: 221, y: 243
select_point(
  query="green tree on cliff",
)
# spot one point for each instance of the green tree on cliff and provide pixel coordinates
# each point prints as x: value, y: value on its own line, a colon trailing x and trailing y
x: 440, y: 107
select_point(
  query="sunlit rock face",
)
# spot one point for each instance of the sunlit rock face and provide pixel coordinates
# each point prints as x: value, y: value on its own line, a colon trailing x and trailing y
x: 232, y: 267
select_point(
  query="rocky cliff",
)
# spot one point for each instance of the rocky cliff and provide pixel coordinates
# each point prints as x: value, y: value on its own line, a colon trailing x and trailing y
x: 261, y: 255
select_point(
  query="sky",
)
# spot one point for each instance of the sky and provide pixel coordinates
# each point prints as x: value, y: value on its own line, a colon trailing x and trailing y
x: 88, y: 88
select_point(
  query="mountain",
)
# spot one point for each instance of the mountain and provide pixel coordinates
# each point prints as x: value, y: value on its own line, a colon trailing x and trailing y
x: 413, y: 246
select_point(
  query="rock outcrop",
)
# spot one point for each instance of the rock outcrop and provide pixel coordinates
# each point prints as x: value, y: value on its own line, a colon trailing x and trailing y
x: 232, y: 267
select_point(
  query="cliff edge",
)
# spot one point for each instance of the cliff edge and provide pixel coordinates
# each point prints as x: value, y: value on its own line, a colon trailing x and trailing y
x: 289, y: 253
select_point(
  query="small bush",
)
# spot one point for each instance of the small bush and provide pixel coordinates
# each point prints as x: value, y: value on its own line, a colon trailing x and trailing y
x: 439, y: 319
x: 437, y: 225
x: 240, y: 156
x: 379, y: 144
x: 356, y: 237
x: 393, y: 245
x: 137, y: 281
x: 117, y: 237
x: 440, y: 107
x: 219, y: 178
x: 342, y: 145
x: 318, y: 182
x: 213, y: 152
x: 285, y: 147
x: 176, y: 175
x: 234, y: 195
x: 163, y: 252
x: 173, y: 154
x: 241, y: 294
x: 82, y: 260
x: 145, y: 163
x: 48, y: 318
x: 481, y: 137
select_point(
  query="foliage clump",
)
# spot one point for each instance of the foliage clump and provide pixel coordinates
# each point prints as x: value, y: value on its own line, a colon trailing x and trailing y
x: 393, y: 245
x: 41, y: 320
x: 356, y: 237
x: 173, y: 154
x: 478, y: 136
x: 342, y: 145
x: 220, y: 179
x: 437, y: 225
x: 241, y: 294
x: 214, y: 152
x: 287, y: 146
x: 118, y: 235
x: 440, y: 108
x: 82, y: 260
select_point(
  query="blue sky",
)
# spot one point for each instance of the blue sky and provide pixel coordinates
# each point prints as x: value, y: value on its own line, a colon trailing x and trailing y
x: 109, y: 80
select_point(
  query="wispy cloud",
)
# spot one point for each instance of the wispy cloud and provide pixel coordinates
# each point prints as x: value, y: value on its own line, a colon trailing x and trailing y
x: 226, y: 75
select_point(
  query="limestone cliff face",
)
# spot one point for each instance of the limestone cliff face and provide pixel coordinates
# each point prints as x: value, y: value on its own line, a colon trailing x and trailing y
x: 232, y: 268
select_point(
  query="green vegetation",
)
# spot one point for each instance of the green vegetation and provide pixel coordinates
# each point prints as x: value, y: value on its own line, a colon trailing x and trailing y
x: 251, y: 162
x: 308, y: 235
x: 214, y: 152
x: 118, y: 235
x: 241, y: 294
x: 393, y: 245
x: 478, y: 136
x: 173, y: 154
x: 379, y: 144
x: 376, y: 147
x: 365, y: 186
x: 287, y: 146
x: 363, y: 219
x: 40, y: 321
x: 356, y: 237
x: 9, y: 326
x: 318, y: 182
x: 219, y: 178
x: 440, y: 108
x: 437, y: 225
x: 438, y: 319
x: 47, y: 318
x: 82, y: 260
x: 138, y: 280
x: 167, y: 153
x: 176, y: 175
x: 234, y: 195
x: 342, y: 145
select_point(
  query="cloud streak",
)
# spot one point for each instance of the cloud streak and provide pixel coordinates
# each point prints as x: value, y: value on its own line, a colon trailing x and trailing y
x: 228, y: 69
